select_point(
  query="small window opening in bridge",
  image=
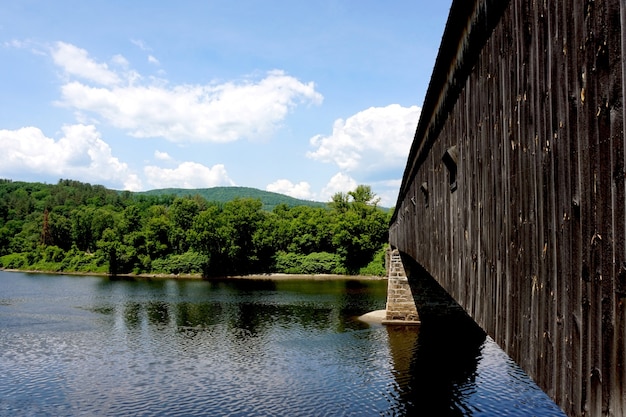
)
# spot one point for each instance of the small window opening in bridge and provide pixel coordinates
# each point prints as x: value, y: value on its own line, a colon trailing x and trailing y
x: 450, y: 158
x: 424, y: 188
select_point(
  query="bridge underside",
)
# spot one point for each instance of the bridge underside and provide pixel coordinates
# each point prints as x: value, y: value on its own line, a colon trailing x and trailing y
x: 514, y: 195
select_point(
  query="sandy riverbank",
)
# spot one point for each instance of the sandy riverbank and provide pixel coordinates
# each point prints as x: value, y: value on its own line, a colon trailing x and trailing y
x: 270, y: 277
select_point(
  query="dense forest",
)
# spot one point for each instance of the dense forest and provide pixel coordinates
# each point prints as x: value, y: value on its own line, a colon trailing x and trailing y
x: 77, y: 227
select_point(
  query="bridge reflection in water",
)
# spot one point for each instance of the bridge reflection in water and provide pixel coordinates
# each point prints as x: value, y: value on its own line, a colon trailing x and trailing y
x: 448, y: 366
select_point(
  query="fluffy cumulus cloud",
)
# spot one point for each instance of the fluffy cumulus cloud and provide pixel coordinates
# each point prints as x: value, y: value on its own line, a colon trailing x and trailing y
x: 375, y: 139
x: 187, y: 175
x: 214, y: 112
x: 301, y: 190
x: 339, y: 183
x: 79, y: 153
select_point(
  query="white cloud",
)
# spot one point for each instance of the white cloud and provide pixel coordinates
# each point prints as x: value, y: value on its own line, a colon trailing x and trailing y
x: 194, y: 113
x: 374, y: 139
x: 301, y: 190
x: 372, y: 144
x: 80, y: 153
x: 76, y: 62
x: 187, y: 175
x: 214, y: 112
x: 34, y: 47
x: 339, y: 183
x: 140, y: 44
x: 153, y: 60
x: 120, y: 60
x: 163, y: 156
x: 16, y: 43
x: 387, y: 191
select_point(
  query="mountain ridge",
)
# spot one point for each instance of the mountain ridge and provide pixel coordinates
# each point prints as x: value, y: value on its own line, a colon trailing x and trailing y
x: 223, y: 194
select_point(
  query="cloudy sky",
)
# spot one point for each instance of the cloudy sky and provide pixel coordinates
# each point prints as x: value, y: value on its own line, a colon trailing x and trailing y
x: 301, y: 98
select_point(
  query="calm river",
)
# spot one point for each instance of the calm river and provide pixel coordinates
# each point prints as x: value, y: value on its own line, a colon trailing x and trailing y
x: 95, y: 347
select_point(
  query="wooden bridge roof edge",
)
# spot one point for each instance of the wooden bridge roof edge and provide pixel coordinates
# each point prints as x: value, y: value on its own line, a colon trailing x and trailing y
x: 467, y: 30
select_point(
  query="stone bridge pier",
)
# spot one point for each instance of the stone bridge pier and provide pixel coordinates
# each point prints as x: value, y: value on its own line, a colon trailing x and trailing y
x: 414, y: 297
x: 401, y: 308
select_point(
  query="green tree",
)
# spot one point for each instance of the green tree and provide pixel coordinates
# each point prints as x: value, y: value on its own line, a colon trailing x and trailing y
x: 363, y: 195
x: 304, y: 230
x: 109, y: 245
x: 131, y: 219
x: 60, y: 231
x: 243, y: 216
x: 81, y: 220
x: 360, y: 229
x: 96, y: 228
x: 157, y: 232
x: 340, y: 202
x: 103, y: 218
x: 183, y: 213
x: 211, y: 236
x: 121, y: 255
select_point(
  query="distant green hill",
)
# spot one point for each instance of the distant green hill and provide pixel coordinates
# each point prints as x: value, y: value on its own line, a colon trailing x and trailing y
x: 225, y: 194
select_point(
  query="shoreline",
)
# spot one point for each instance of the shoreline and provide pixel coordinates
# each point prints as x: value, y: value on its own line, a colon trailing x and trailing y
x: 267, y: 277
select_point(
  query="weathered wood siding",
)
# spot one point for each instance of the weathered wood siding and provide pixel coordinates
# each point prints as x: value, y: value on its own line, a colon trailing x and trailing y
x: 530, y: 239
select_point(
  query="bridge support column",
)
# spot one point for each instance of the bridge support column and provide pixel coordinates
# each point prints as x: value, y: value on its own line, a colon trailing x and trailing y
x: 400, y: 307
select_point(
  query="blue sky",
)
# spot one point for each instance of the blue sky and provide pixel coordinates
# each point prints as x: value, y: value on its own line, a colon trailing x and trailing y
x: 302, y: 98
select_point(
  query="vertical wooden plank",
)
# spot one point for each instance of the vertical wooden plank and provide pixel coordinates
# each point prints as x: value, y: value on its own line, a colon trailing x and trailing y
x: 519, y: 168
x: 573, y: 313
x: 620, y: 202
x: 566, y: 371
x: 609, y: 61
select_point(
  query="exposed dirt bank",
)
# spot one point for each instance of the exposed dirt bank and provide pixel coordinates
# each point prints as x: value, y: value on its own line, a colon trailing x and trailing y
x: 272, y: 277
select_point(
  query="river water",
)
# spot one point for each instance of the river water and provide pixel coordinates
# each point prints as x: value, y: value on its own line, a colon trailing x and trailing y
x: 93, y: 346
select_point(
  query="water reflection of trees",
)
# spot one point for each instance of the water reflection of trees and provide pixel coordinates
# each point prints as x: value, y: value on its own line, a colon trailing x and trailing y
x: 195, y: 314
x: 132, y: 314
x: 254, y: 306
x: 434, y: 365
x: 158, y: 312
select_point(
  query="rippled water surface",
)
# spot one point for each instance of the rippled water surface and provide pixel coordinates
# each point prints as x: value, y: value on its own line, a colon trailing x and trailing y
x: 92, y: 346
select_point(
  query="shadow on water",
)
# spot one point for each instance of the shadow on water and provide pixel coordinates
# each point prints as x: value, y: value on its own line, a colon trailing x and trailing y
x: 434, y: 360
x: 436, y: 363
x: 439, y: 365
x: 444, y: 359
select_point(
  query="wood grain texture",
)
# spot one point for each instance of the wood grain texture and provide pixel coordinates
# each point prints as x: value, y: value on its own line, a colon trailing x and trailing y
x: 531, y: 242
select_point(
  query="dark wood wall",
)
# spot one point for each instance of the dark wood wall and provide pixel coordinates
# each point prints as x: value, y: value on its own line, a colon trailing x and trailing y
x: 514, y: 193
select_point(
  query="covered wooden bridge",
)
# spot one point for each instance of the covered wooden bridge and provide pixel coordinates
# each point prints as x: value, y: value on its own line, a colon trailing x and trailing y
x: 514, y: 194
